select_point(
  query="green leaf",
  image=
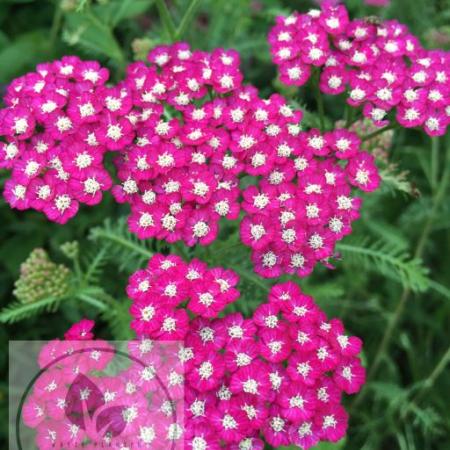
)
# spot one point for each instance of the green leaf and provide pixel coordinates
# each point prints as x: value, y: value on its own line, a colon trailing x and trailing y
x: 320, y: 446
x: 23, y: 54
x: 440, y: 289
x: 387, y: 259
x: 18, y: 311
x: 117, y: 11
x: 4, y: 41
x: 187, y: 18
x: 130, y: 8
x: 86, y: 30
x: 166, y: 19
x: 94, y: 264
x: 125, y: 247
x: 118, y: 317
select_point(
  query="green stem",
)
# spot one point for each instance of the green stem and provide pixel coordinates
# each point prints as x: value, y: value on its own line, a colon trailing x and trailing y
x: 420, y: 247
x: 187, y: 18
x: 349, y: 115
x: 77, y: 267
x: 434, y: 161
x: 166, y: 19
x: 426, y: 384
x: 56, y: 24
x: 86, y: 298
x: 437, y: 200
x: 378, y: 132
x: 429, y: 382
x: 319, y: 99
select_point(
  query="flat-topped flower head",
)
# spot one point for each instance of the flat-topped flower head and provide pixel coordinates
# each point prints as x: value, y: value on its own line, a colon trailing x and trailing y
x: 303, y: 203
x: 277, y: 376
x: 377, y: 65
x: 51, y: 125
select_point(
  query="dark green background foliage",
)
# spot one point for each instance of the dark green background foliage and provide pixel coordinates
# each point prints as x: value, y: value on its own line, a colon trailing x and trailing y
x: 391, y: 286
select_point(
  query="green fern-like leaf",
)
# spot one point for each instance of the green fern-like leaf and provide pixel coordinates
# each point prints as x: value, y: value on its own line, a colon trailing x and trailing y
x: 440, y: 289
x: 121, y: 245
x: 17, y: 311
x: 395, y: 180
x: 387, y: 259
x: 95, y: 262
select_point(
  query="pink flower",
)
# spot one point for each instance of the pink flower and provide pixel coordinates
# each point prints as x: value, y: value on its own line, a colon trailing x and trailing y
x: 332, y: 423
x: 207, y: 372
x: 17, y: 123
x: 62, y: 206
x: 297, y: 402
x: 305, y: 434
x: 80, y: 331
x: 115, y: 134
x: 33, y: 412
x: 376, y: 65
x: 333, y: 80
x: 275, y: 346
x: 89, y: 188
x: 363, y: 172
x: 251, y: 380
x: 275, y: 429
x: 350, y: 375
x: 229, y: 423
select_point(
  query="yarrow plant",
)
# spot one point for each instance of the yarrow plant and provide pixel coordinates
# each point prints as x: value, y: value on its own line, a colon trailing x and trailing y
x: 58, y: 124
x: 379, y: 65
x: 189, y: 146
x: 278, y: 375
x: 185, y: 131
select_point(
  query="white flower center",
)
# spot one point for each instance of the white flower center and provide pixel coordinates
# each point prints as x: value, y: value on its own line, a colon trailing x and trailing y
x: 148, y: 313
x: 114, y: 132
x: 62, y: 202
x: 86, y: 110
x: 48, y: 107
x: 200, y: 229
x: 63, y: 124
x: 205, y: 370
x: 91, y: 186
x: 20, y: 125
x: 228, y: 422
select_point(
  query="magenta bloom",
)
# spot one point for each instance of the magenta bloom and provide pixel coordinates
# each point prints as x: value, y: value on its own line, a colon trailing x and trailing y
x: 52, y: 125
x: 375, y: 65
x: 302, y: 205
x: 81, y: 331
x: 278, y: 375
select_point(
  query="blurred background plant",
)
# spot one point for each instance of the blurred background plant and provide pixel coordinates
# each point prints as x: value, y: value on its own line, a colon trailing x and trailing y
x: 391, y: 286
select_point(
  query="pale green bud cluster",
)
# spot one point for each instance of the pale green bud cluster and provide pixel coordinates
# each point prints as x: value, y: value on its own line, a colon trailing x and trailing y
x: 41, y: 278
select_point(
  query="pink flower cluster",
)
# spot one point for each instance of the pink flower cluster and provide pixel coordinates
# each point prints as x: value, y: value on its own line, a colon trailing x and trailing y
x: 77, y: 403
x: 381, y: 66
x: 201, y: 131
x: 168, y: 288
x: 58, y: 124
x: 303, y: 203
x: 180, y: 175
x: 184, y: 131
x: 278, y: 376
